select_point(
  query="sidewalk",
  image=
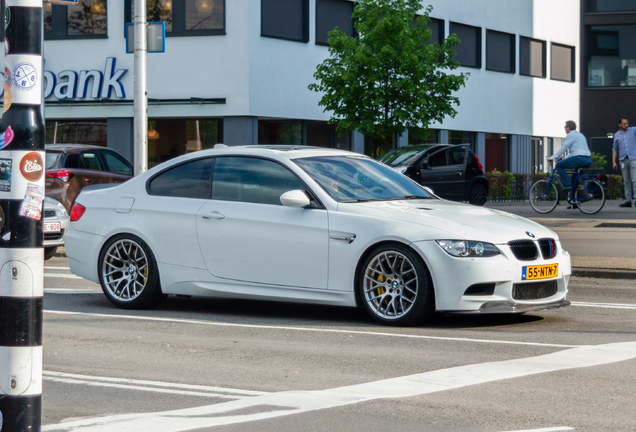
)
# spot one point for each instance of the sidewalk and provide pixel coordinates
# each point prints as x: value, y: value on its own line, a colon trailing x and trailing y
x: 611, y: 216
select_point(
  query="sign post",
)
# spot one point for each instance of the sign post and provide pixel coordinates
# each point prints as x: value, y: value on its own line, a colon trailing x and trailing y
x: 22, y: 136
x: 141, y: 89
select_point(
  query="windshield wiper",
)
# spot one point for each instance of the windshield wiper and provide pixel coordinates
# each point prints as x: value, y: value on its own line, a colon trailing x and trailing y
x: 409, y: 197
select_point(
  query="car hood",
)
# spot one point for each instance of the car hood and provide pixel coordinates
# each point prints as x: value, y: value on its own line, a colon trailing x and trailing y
x: 450, y: 220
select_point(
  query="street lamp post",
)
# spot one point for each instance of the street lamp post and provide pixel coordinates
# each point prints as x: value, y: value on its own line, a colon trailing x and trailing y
x: 141, y: 88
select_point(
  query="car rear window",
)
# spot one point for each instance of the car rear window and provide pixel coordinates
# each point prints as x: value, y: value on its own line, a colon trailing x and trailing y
x: 52, y: 160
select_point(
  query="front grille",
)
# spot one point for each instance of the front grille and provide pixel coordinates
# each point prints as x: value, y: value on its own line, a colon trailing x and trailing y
x: 53, y: 236
x: 524, y: 250
x: 548, y: 248
x: 49, y: 213
x: 534, y: 290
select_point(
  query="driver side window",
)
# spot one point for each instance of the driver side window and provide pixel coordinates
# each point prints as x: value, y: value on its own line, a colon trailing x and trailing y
x: 252, y: 180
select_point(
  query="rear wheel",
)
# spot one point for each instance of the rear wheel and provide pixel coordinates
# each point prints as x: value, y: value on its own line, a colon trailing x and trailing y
x: 395, y: 286
x: 592, y: 199
x: 128, y: 273
x: 544, y: 196
x: 478, y: 194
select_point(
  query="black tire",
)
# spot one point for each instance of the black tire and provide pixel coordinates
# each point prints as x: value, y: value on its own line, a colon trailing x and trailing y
x: 49, y: 252
x: 395, y: 287
x: 592, y: 199
x: 128, y: 273
x: 544, y: 196
x: 478, y: 194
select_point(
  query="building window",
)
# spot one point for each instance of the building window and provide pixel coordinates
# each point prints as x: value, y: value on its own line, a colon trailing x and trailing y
x: 562, y: 63
x: 331, y: 14
x: 423, y: 136
x: 84, y: 20
x: 469, y: 48
x: 171, y: 137
x: 532, y: 57
x: 437, y: 27
x: 611, y: 59
x: 90, y: 131
x: 497, y: 152
x: 463, y: 137
x: 323, y: 134
x: 183, y: 17
x: 609, y: 5
x: 500, y: 51
x: 537, y: 155
x: 285, y: 19
x: 302, y: 132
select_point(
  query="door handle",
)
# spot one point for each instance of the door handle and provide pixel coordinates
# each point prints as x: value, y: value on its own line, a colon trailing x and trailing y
x: 213, y: 215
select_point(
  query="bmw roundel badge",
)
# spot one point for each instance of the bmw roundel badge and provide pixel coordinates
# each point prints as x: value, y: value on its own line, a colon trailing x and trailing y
x: 530, y: 234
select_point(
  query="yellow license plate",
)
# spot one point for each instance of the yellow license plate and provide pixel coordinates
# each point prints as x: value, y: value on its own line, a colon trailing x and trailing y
x: 539, y: 272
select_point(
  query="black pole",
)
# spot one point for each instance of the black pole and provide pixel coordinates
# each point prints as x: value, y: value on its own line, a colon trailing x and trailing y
x: 22, y: 136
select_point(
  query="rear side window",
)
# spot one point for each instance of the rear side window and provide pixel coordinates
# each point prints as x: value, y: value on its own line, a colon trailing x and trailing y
x: 116, y: 163
x: 189, y: 180
x: 52, y: 159
x: 88, y: 160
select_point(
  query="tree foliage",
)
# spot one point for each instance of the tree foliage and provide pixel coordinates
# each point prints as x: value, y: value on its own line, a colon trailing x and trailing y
x: 389, y: 77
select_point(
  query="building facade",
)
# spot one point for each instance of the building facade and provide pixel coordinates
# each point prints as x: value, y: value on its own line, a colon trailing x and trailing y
x: 237, y: 71
x: 608, y: 63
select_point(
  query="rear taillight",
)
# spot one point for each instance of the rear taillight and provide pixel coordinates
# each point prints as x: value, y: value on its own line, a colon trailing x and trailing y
x: 479, y: 165
x: 63, y: 175
x: 77, y: 212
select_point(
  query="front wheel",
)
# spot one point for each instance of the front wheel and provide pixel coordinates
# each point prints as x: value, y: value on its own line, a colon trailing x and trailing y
x: 128, y: 273
x: 395, y: 286
x: 590, y: 198
x: 544, y: 196
x: 49, y: 252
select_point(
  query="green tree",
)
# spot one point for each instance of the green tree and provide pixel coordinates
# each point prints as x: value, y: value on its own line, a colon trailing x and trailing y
x: 389, y: 77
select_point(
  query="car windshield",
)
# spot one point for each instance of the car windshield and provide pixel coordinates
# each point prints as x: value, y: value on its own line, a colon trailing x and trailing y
x: 403, y: 156
x: 357, y: 179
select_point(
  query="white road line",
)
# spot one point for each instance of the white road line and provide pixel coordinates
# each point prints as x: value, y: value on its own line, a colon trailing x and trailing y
x: 605, y: 305
x: 62, y: 276
x: 305, y: 329
x: 552, y: 429
x: 296, y: 402
x: 155, y: 386
x: 71, y: 291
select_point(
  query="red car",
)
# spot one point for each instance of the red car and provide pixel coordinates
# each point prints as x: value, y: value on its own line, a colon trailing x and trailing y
x: 71, y: 167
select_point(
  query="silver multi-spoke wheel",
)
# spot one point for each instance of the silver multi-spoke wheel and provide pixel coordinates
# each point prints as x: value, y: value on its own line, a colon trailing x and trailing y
x: 394, y: 286
x: 125, y: 270
x: 128, y: 273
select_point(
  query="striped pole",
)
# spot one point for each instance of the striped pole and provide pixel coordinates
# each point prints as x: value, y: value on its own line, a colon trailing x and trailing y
x: 22, y: 136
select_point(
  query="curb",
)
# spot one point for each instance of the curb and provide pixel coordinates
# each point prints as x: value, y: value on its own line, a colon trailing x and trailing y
x: 603, y: 273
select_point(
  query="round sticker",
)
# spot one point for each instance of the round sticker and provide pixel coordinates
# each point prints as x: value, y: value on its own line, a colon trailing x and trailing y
x: 32, y: 166
x: 24, y: 76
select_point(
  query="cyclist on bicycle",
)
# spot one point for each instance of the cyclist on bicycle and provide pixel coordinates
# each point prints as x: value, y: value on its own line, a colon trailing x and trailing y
x: 579, y: 157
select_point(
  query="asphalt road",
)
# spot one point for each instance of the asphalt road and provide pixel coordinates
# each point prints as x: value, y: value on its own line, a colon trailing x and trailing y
x: 228, y: 365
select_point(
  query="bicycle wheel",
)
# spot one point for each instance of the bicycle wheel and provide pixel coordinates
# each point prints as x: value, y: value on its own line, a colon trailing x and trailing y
x: 592, y: 199
x: 544, y: 196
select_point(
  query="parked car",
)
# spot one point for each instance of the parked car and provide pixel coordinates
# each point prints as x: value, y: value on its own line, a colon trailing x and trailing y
x: 71, y: 167
x: 453, y: 171
x: 55, y: 224
x: 309, y: 225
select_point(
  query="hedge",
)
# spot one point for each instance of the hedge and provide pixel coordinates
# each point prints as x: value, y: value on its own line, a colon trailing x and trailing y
x: 506, y: 186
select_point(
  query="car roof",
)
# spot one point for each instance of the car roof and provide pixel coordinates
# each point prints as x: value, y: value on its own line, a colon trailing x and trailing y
x: 74, y: 148
x: 274, y: 150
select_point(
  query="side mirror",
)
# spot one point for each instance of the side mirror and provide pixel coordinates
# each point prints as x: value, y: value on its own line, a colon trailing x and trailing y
x: 425, y: 164
x: 295, y: 198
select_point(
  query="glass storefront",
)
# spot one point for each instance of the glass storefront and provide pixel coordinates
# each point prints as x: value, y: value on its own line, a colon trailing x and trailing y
x: 611, y: 56
x: 76, y: 132
x: 171, y: 137
x: 302, y: 132
x: 610, y: 5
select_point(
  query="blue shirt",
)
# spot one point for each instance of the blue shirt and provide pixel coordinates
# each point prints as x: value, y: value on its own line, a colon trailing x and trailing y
x: 575, y: 142
x: 625, y: 144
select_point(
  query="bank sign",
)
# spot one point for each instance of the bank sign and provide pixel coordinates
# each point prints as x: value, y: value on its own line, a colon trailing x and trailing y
x: 86, y: 84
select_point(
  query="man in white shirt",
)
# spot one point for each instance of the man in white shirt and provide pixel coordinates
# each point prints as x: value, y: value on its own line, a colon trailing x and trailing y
x: 624, y: 148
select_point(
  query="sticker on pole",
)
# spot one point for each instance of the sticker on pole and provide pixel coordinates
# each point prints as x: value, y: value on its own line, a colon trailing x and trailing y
x: 32, y: 204
x: 25, y: 76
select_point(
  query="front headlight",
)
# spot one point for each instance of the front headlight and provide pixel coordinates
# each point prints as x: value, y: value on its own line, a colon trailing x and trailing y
x: 468, y: 249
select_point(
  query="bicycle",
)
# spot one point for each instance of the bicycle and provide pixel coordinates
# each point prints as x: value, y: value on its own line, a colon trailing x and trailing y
x: 587, y: 192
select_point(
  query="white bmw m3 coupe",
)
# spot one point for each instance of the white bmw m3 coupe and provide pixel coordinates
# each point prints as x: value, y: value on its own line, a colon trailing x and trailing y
x: 310, y: 225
